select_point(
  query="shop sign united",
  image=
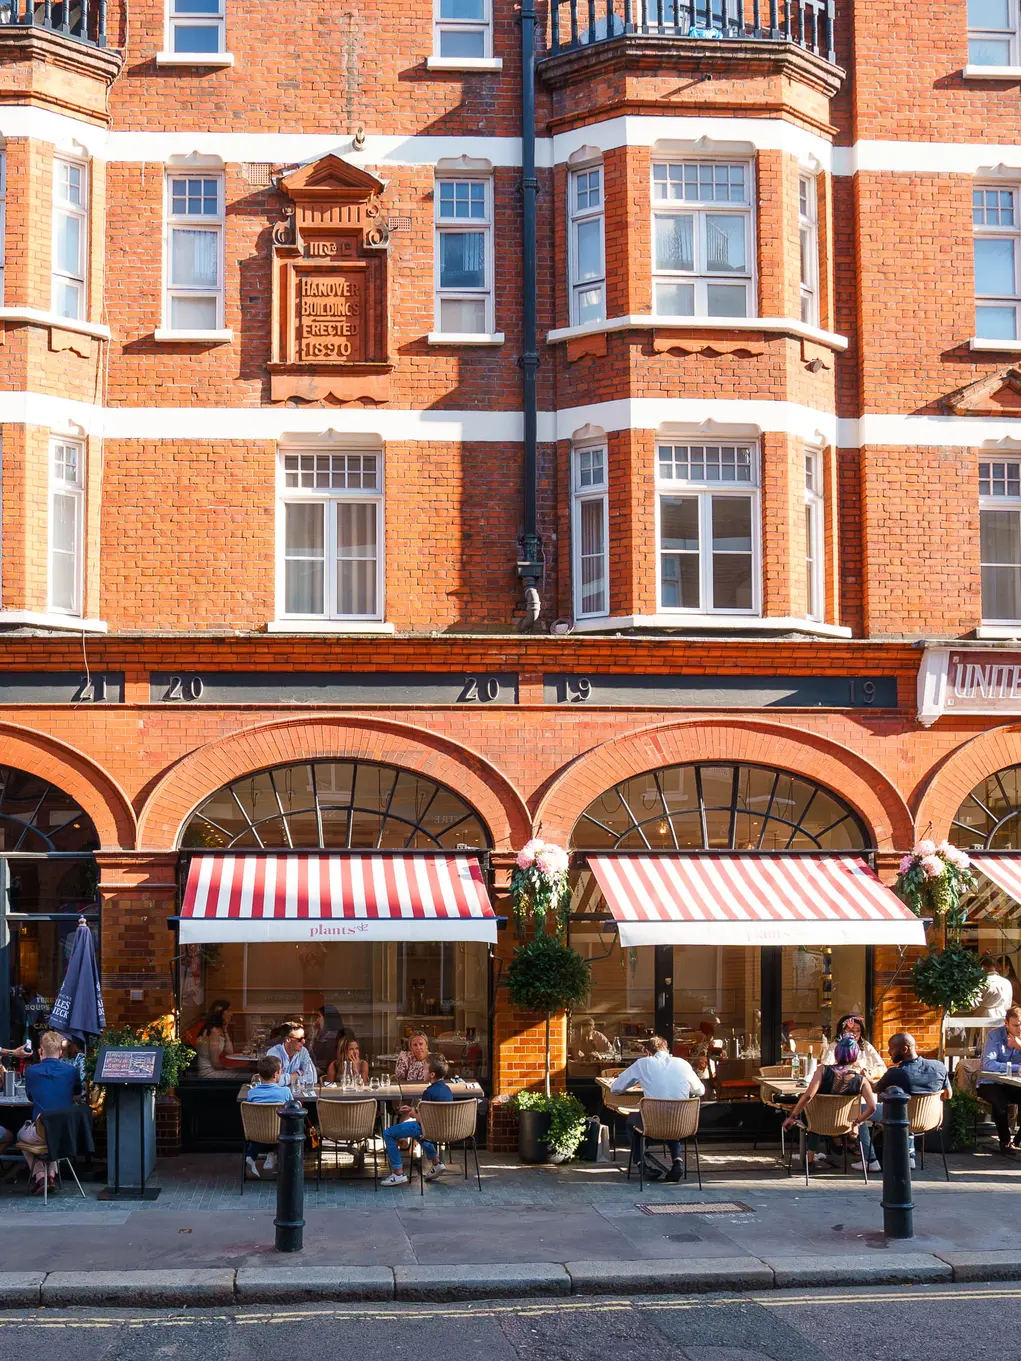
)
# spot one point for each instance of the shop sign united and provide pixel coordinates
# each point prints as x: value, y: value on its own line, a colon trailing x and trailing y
x: 968, y: 681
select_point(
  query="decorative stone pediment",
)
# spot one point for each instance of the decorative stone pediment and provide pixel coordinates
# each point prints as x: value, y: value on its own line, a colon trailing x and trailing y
x: 330, y: 339
x: 997, y: 395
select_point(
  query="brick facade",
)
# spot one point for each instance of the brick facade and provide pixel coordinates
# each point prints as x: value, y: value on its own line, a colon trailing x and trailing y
x: 180, y: 545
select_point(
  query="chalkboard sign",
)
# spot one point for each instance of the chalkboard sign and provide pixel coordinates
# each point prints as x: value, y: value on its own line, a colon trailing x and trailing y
x: 139, y: 1067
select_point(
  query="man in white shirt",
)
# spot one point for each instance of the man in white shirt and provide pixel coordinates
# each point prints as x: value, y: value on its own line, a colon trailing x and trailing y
x: 998, y: 993
x: 661, y: 1078
x: 294, y: 1057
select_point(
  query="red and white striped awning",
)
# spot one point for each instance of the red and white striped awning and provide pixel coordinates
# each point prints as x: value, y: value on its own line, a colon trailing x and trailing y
x: 250, y: 898
x: 1005, y: 873
x: 752, y: 900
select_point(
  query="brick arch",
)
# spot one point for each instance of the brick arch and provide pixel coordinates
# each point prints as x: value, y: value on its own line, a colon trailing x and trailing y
x: 854, y: 779
x: 96, y: 792
x: 286, y: 741
x: 965, y: 767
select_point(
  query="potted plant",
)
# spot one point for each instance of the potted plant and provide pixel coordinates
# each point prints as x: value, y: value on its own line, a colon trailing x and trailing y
x: 934, y: 881
x: 550, y: 1128
x: 950, y: 980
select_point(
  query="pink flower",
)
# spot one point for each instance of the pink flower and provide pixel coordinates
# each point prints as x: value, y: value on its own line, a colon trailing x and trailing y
x: 924, y: 848
x: 933, y: 866
x: 906, y: 862
x: 526, y: 856
x: 551, y: 859
x: 955, y: 857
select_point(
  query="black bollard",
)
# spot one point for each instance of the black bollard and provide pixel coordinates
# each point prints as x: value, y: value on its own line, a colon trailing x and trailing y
x: 898, y: 1207
x: 290, y: 1220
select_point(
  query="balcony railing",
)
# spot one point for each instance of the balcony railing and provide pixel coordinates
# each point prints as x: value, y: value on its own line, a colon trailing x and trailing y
x: 806, y: 23
x: 82, y: 20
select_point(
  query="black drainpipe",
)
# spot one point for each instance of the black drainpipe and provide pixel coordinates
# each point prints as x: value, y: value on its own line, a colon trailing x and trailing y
x: 530, y: 561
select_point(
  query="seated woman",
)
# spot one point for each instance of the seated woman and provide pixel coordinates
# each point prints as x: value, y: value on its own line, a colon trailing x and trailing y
x: 870, y: 1061
x: 213, y: 1042
x: 843, y: 1077
x: 412, y: 1063
x: 348, y: 1051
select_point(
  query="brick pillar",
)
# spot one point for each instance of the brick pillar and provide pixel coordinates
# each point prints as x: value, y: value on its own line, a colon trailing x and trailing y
x: 138, y: 891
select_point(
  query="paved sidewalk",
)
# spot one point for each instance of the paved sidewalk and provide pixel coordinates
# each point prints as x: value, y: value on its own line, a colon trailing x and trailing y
x: 563, y: 1230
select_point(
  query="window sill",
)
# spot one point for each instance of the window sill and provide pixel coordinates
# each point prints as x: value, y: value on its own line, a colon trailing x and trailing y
x: 41, y: 318
x: 315, y: 627
x: 39, y: 619
x: 995, y: 346
x: 464, y: 63
x: 992, y: 73
x: 713, y: 622
x: 194, y: 58
x: 999, y: 632
x: 778, y: 325
x: 464, y: 338
x: 193, y: 337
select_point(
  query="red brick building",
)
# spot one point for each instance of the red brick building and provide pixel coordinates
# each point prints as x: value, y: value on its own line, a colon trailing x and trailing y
x: 267, y: 494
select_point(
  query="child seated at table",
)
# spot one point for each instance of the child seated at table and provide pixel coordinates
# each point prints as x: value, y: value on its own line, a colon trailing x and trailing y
x: 409, y: 1128
x: 269, y: 1090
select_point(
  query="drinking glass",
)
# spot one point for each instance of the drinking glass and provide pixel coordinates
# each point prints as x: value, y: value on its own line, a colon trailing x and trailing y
x: 374, y: 1084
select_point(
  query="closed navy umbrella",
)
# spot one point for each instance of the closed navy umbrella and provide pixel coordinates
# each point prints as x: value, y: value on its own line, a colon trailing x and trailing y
x: 78, y: 1010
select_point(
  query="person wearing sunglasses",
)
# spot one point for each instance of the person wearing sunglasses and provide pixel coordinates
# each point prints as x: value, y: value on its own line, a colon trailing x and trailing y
x: 294, y: 1056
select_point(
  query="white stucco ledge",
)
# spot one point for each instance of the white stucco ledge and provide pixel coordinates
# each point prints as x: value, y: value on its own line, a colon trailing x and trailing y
x: 194, y: 58
x: 464, y: 63
x: 713, y: 622
x: 639, y: 321
x: 992, y: 73
x: 995, y: 346
x: 999, y: 632
x: 193, y: 337
x: 37, y: 619
x: 314, y: 628
x: 465, y: 338
x: 38, y: 317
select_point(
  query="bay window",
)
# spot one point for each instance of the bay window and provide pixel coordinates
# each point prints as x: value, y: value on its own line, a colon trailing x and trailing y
x: 70, y: 238
x: 702, y: 239
x: 194, y: 299
x: 708, y: 528
x: 808, y: 241
x: 586, y: 249
x: 331, y: 533
x: 590, y: 532
x: 999, y: 485
x: 67, y: 505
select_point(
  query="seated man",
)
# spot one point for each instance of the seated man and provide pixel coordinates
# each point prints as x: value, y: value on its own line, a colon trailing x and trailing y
x: 911, y: 1074
x: 661, y: 1078
x: 409, y: 1128
x: 269, y: 1091
x: 1002, y: 1052
x: 51, y: 1085
x: 293, y: 1055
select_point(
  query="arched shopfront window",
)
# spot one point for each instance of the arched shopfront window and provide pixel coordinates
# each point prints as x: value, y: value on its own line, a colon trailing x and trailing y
x: 990, y: 817
x: 719, y: 807
x: 324, y: 805
x: 36, y: 816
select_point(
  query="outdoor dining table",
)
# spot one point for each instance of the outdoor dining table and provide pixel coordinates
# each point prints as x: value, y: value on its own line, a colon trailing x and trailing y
x: 397, y: 1093
x: 1013, y: 1081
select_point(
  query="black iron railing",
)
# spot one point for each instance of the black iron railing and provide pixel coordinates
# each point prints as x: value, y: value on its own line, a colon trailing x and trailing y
x: 806, y: 23
x: 83, y: 20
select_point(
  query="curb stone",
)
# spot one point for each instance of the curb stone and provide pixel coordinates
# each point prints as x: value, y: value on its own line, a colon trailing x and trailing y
x: 266, y: 1285
x: 874, y: 1268
x: 656, y: 1276
x: 983, y: 1266
x: 20, y: 1289
x: 142, y: 1289
x: 482, y: 1282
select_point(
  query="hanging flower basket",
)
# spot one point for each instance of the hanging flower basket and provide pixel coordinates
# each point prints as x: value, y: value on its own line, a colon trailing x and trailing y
x: 539, y: 888
x: 934, y: 880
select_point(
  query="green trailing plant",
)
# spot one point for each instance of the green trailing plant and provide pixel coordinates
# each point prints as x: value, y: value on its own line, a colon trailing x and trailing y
x: 539, y: 888
x: 567, y: 1126
x: 176, y: 1054
x: 964, y: 1113
x: 934, y: 881
x: 547, y: 976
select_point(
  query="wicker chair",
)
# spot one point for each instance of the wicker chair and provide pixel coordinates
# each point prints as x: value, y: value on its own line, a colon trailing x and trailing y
x: 668, y: 1120
x: 39, y: 1149
x: 448, y: 1122
x: 772, y: 1070
x: 925, y: 1113
x: 612, y: 1105
x: 832, y: 1118
x: 348, y: 1122
x: 261, y: 1125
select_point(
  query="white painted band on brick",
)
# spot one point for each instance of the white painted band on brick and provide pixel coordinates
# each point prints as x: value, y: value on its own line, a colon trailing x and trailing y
x: 636, y: 321
x: 37, y: 316
x: 712, y: 623
x: 42, y: 620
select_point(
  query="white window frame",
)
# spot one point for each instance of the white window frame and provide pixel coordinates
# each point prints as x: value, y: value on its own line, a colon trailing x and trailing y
x: 176, y: 21
x: 1000, y: 502
x: 3, y: 219
x: 808, y: 242
x: 706, y: 490
x: 329, y: 496
x: 1011, y: 34
x: 61, y: 206
x: 815, y: 537
x: 483, y: 26
x: 461, y: 224
x: 575, y: 218
x: 74, y: 491
x: 591, y: 492
x: 173, y: 222
x: 994, y: 231
x: 700, y: 209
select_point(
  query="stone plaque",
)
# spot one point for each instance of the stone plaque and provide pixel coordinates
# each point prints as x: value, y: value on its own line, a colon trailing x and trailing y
x: 330, y: 305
